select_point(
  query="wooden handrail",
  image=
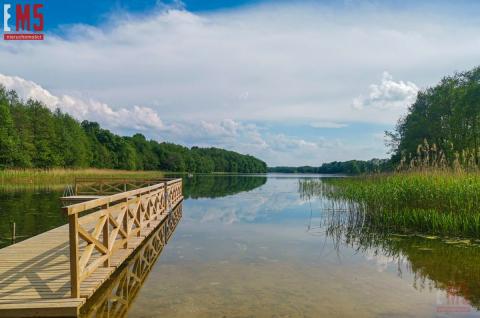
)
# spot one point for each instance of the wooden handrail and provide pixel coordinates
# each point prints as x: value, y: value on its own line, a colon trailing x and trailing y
x: 110, y: 222
x: 112, y: 185
x: 126, y: 283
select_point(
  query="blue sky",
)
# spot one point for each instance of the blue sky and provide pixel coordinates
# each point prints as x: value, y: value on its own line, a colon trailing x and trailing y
x: 292, y: 82
x: 61, y: 13
x: 94, y: 12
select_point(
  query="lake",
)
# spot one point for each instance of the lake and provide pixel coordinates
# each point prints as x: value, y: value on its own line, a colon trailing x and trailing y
x: 255, y: 246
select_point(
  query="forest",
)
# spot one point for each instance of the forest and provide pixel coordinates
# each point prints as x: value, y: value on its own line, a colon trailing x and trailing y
x: 340, y: 167
x: 442, y: 127
x: 32, y: 136
x: 440, y: 130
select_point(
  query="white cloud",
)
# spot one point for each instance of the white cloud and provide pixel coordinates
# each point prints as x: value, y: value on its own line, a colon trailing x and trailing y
x: 327, y: 124
x: 28, y: 89
x: 276, y: 61
x: 275, y: 148
x: 206, y: 78
x: 285, y: 143
x: 138, y: 117
x: 388, y: 95
x: 226, y: 133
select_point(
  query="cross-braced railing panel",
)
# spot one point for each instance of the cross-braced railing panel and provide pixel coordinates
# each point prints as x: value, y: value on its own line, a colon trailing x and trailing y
x: 115, y: 300
x: 174, y: 190
x: 112, y: 185
x: 110, y: 222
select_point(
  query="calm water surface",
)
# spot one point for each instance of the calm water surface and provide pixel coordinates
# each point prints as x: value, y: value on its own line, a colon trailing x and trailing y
x: 256, y: 247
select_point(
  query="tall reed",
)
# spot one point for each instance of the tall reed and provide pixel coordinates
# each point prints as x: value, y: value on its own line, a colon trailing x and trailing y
x: 430, y: 201
x: 17, y: 179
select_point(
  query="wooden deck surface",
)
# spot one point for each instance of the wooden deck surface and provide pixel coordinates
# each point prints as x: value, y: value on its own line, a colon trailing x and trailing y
x: 35, y: 275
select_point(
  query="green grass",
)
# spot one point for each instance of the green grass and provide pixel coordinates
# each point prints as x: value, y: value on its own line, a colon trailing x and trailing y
x: 434, y: 202
x: 19, y: 179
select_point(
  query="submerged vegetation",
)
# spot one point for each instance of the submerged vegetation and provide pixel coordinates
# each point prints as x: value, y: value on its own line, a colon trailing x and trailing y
x: 434, y: 202
x: 450, y: 265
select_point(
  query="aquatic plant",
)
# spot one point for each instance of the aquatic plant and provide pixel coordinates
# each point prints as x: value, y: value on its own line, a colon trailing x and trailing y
x: 433, y: 201
x: 20, y: 179
x: 444, y: 263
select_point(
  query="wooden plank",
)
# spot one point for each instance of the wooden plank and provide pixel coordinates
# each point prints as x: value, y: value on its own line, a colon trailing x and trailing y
x: 36, y: 274
x: 41, y: 310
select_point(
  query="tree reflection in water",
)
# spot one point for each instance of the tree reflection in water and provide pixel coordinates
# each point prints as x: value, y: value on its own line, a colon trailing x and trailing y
x: 215, y: 186
x: 448, y: 264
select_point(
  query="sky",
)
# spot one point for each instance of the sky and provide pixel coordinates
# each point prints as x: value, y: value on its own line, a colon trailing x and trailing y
x: 291, y: 82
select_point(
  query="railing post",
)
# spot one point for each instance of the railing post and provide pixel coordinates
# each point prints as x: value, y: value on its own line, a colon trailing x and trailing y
x: 78, y: 271
x: 139, y: 215
x: 74, y: 268
x: 165, y: 185
x: 106, y: 235
x: 148, y: 211
x: 124, y: 224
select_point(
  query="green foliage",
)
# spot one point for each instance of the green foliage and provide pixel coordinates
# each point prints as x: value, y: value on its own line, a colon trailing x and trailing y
x: 8, y: 136
x: 32, y: 136
x: 441, y: 130
x: 442, y: 203
x: 341, y: 167
x: 447, y: 117
x: 72, y: 141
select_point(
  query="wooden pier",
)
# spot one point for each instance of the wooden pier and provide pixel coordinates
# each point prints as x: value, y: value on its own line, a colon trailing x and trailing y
x: 56, y: 273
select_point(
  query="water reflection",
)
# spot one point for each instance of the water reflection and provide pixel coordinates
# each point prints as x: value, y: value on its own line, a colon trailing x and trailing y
x: 215, y: 186
x: 276, y: 252
x: 258, y: 247
x: 451, y: 266
x: 33, y: 211
x: 117, y: 294
x: 39, y: 210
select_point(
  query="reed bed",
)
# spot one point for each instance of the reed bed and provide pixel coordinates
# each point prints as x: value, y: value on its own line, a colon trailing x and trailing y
x: 19, y: 179
x: 434, y: 202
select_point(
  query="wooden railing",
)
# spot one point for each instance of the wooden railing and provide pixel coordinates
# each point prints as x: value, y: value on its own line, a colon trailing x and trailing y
x: 174, y: 192
x: 109, y: 222
x: 115, y: 299
x: 112, y: 185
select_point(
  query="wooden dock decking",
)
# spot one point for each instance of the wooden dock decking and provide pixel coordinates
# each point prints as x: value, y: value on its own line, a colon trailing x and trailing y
x: 54, y: 274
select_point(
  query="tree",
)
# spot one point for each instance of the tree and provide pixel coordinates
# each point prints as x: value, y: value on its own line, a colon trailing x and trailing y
x: 45, y: 139
x: 31, y: 135
x: 73, y: 145
x: 8, y: 137
x: 447, y: 118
